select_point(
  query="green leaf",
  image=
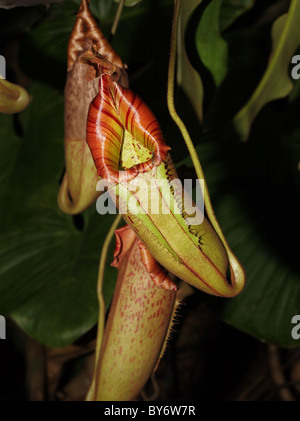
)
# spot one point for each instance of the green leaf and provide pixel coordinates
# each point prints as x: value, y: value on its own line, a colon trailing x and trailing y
x: 55, y: 270
x: 43, y: 53
x: 231, y: 10
x: 48, y: 267
x: 9, y: 146
x: 212, y: 48
x: 7, y: 4
x: 187, y: 76
x: 271, y: 296
x: 275, y: 82
x: 105, y: 10
x: 129, y: 3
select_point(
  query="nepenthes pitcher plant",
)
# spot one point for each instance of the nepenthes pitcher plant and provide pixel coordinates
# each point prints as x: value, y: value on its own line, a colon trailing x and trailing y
x: 112, y: 135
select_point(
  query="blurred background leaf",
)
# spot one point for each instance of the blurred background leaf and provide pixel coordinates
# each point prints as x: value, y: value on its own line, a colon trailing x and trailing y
x: 8, y: 4
x: 276, y: 81
x: 48, y: 265
x: 129, y: 3
x: 212, y: 48
x: 231, y: 10
x: 187, y: 76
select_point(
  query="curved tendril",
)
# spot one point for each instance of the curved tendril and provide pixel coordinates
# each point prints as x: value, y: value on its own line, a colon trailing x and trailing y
x: 101, y: 319
x: 236, y: 270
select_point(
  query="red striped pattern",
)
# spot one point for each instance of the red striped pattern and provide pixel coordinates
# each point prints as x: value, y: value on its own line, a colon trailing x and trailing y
x: 114, y: 110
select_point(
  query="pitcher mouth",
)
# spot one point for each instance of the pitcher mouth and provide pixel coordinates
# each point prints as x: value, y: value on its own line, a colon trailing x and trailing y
x: 124, y: 136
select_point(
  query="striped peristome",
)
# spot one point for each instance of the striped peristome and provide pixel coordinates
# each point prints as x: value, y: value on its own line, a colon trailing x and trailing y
x: 114, y: 111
